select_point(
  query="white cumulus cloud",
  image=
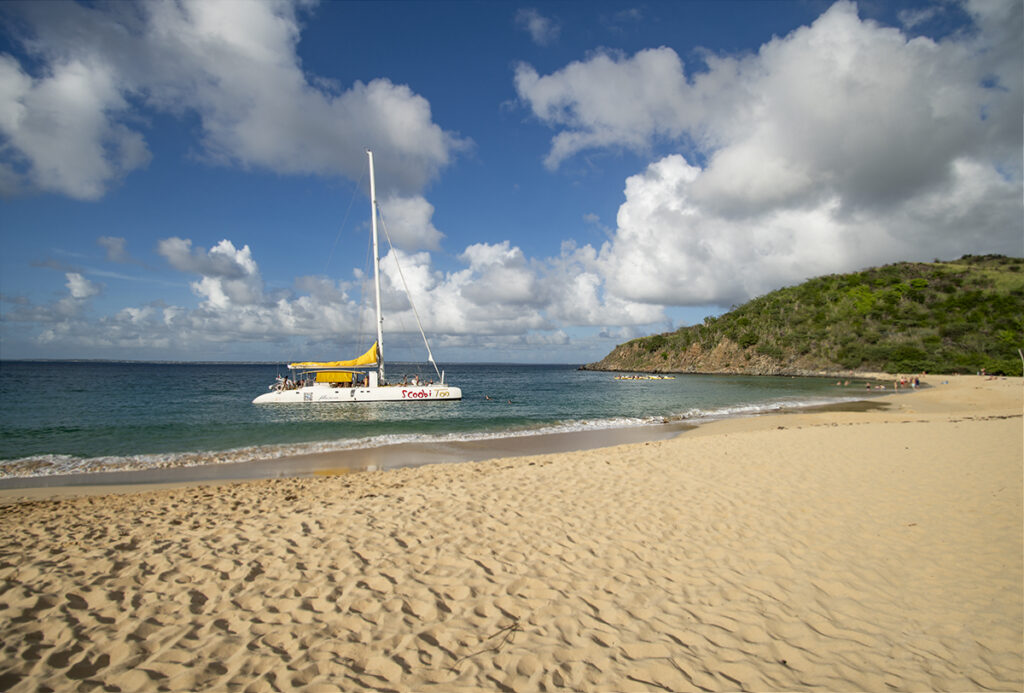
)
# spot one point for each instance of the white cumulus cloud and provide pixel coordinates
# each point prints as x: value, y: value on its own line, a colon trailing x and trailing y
x: 63, y: 131
x: 408, y: 222
x: 609, y: 100
x: 79, y: 287
x: 230, y: 275
x: 71, y: 121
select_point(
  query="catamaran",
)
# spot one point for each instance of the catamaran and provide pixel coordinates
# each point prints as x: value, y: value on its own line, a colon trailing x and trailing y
x: 357, y: 380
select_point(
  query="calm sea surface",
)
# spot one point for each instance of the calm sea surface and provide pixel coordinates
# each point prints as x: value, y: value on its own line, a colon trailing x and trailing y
x: 64, y: 417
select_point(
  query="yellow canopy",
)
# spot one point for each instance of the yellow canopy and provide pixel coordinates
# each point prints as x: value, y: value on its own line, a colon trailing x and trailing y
x: 367, y: 359
x: 334, y: 376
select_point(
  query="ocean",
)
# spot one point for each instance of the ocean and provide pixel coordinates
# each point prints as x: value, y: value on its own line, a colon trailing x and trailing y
x: 75, y: 417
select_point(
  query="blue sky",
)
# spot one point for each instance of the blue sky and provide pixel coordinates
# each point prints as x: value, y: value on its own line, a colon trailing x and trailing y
x: 186, y: 180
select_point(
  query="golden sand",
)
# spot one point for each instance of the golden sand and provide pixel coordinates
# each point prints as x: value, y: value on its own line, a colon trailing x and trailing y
x: 872, y: 551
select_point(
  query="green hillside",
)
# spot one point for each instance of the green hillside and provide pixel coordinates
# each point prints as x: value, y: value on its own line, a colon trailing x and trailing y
x: 941, y: 317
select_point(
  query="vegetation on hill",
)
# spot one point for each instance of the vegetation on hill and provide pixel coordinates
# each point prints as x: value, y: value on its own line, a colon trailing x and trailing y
x: 946, y: 317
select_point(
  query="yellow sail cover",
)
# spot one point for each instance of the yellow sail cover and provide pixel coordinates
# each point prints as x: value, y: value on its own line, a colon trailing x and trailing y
x: 368, y: 359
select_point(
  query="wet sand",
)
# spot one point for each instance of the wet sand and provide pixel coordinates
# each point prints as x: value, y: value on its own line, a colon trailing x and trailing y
x: 831, y: 550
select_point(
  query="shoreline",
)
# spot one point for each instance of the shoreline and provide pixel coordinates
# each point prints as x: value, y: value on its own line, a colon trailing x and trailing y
x: 356, y: 460
x: 816, y: 550
x: 380, y: 458
x: 268, y: 460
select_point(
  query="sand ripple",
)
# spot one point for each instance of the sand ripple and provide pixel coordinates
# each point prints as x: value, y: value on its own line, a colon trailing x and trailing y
x: 869, y: 556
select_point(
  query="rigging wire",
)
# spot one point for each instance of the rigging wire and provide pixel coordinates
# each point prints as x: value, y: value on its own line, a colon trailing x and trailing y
x: 416, y: 314
x: 360, y: 343
x: 341, y: 228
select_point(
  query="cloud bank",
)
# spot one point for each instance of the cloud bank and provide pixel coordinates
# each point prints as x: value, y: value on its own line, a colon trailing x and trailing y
x: 499, y: 297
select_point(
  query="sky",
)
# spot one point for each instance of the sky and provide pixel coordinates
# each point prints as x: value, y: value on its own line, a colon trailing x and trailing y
x: 187, y: 180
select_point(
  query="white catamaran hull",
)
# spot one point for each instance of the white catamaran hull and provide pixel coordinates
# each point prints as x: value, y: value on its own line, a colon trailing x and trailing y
x: 388, y: 393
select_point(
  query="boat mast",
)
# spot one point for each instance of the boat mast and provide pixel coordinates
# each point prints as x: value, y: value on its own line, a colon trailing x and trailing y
x: 376, y: 272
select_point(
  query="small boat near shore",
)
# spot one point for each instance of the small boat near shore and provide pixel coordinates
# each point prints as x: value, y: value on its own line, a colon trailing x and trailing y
x: 360, y: 379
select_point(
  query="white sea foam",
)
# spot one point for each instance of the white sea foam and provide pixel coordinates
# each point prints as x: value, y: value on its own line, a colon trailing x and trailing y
x: 705, y: 415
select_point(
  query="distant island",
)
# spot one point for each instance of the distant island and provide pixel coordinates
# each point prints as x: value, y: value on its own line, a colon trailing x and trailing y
x: 964, y: 316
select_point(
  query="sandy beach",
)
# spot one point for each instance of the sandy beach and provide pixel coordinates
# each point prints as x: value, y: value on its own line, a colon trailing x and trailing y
x: 834, y: 550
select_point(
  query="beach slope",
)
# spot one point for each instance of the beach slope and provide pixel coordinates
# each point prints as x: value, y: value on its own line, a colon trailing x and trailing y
x: 877, y: 550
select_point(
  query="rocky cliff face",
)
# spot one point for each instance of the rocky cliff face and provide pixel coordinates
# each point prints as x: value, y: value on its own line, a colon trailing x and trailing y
x: 726, y: 357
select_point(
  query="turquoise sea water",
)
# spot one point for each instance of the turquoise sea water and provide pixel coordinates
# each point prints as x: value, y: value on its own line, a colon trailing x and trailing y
x: 62, y: 417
